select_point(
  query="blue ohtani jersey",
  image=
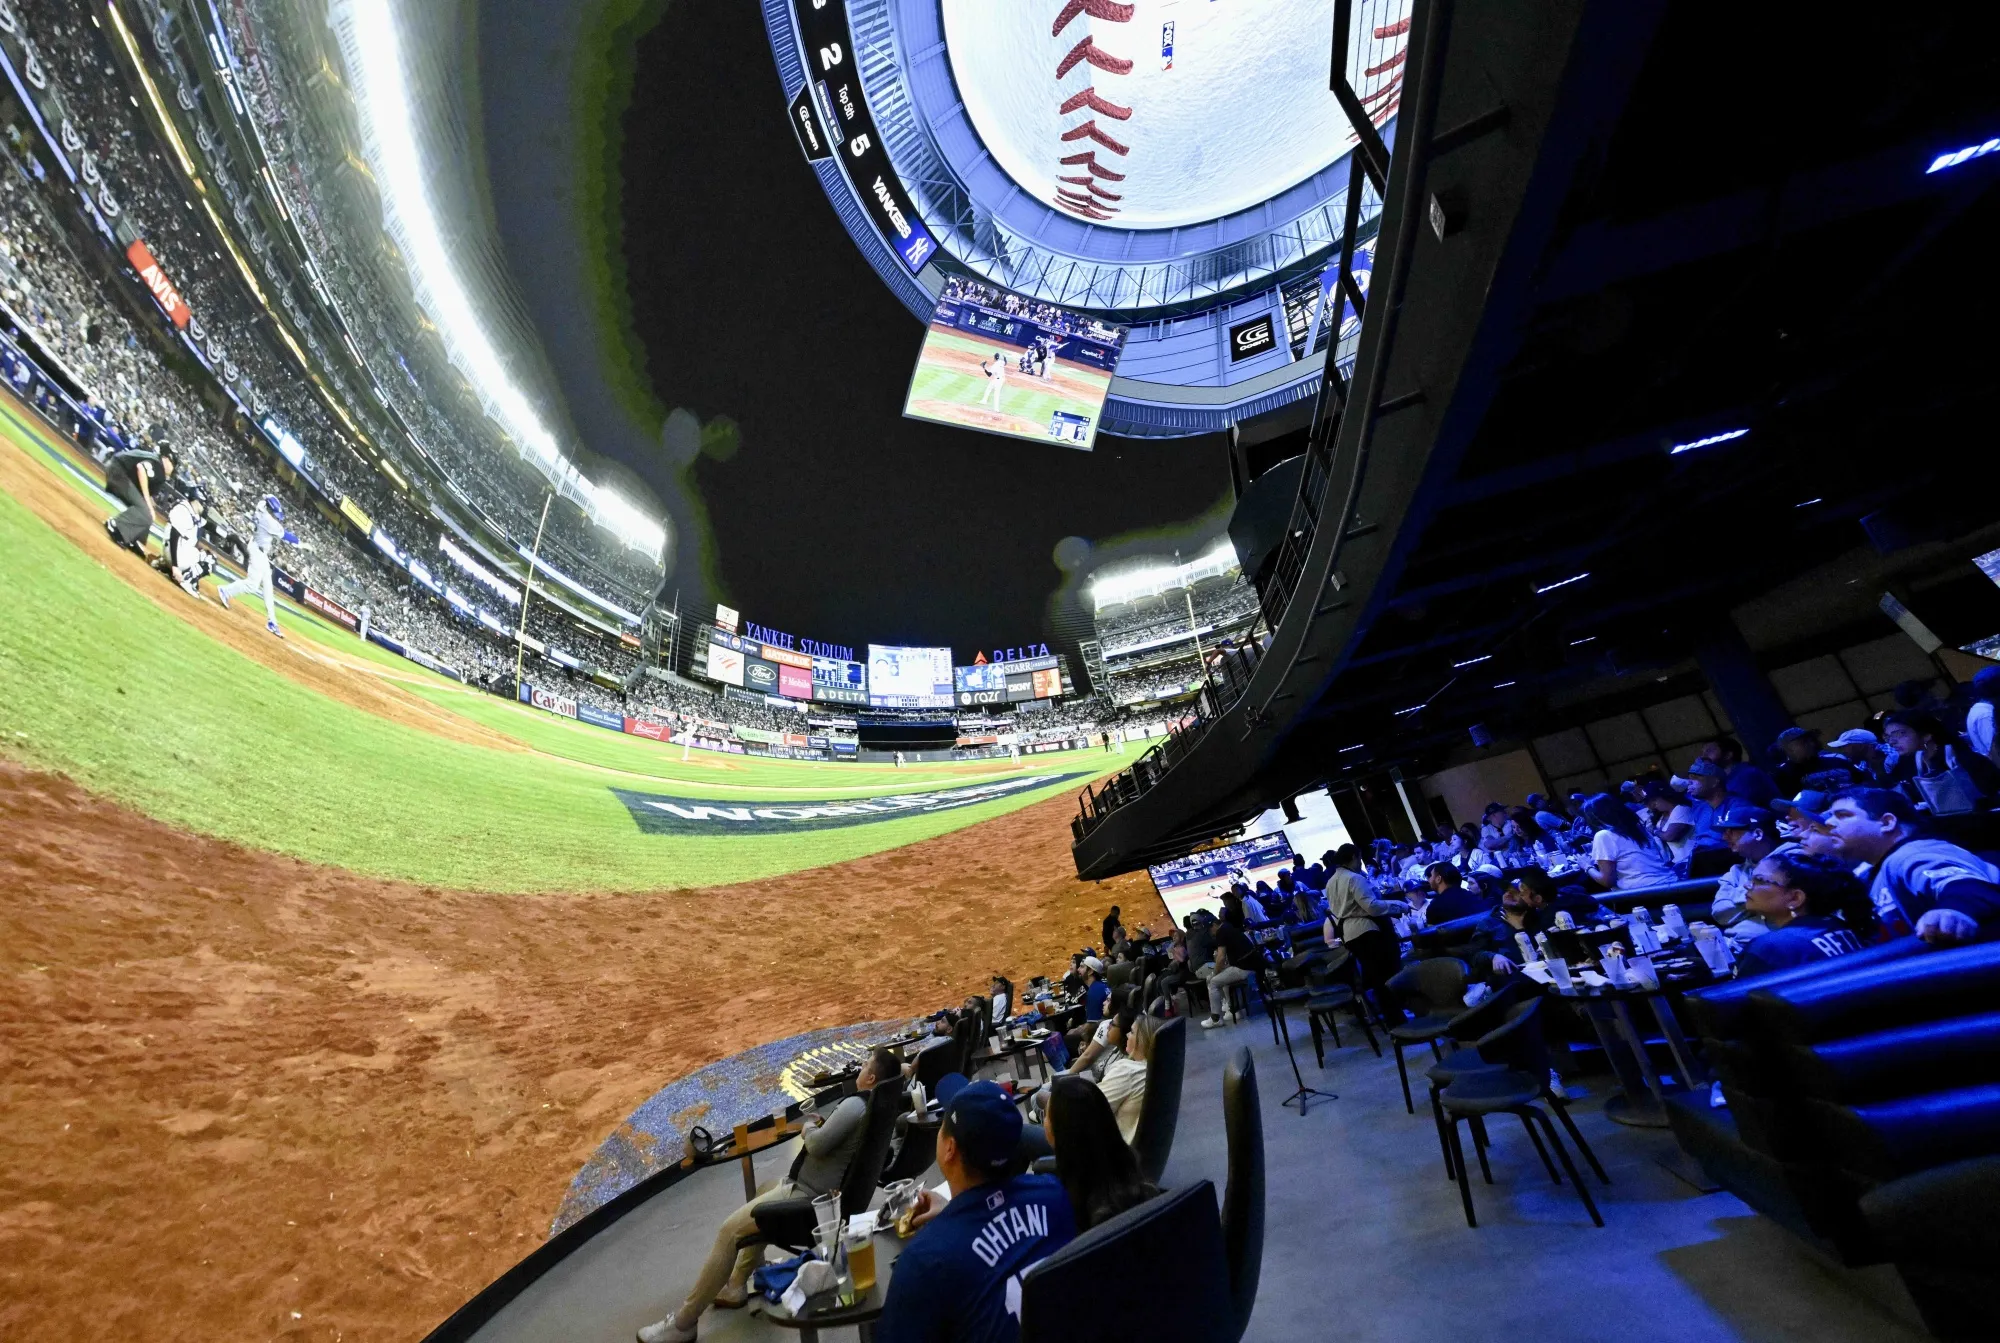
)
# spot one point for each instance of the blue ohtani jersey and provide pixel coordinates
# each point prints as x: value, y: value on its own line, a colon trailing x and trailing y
x: 959, y: 1279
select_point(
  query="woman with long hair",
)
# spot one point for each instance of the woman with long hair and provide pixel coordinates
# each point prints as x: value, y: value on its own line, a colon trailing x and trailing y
x: 1097, y: 1166
x: 1628, y: 856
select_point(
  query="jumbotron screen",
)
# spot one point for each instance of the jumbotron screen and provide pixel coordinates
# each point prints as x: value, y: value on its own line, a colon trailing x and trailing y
x: 1200, y: 880
x: 1008, y: 682
x: 999, y: 362
x: 909, y: 678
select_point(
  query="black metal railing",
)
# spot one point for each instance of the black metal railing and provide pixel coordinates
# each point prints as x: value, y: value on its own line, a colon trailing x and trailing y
x: 1227, y: 681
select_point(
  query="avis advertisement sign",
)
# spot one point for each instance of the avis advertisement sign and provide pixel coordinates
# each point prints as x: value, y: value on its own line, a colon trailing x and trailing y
x: 657, y: 815
x: 164, y: 291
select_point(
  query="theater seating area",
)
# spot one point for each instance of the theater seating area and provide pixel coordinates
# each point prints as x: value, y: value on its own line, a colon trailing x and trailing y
x: 1863, y: 1113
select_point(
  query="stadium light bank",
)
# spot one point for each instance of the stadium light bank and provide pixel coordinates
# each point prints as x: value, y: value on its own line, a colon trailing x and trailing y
x: 1111, y: 589
x: 373, y: 52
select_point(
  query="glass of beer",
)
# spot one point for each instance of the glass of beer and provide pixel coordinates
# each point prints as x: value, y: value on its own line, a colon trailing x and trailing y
x: 860, y: 1247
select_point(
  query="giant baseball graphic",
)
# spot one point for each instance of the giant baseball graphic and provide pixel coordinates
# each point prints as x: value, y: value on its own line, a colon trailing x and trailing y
x: 1165, y: 113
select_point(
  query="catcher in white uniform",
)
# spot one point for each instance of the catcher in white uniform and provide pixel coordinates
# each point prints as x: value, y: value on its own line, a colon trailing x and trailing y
x: 995, y: 370
x: 270, y: 527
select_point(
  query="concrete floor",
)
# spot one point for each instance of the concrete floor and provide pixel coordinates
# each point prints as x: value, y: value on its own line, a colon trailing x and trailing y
x: 1365, y: 1238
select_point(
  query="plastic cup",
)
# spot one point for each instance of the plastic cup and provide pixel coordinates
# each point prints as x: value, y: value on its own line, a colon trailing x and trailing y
x: 860, y: 1247
x: 826, y: 1220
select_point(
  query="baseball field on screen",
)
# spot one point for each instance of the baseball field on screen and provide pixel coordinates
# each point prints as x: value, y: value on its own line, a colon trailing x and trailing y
x: 948, y: 386
x: 117, y: 680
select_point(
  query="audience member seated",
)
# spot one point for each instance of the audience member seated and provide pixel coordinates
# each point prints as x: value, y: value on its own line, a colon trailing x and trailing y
x: 1236, y: 959
x: 1627, y: 855
x: 1530, y: 906
x: 1004, y: 1004
x: 1802, y: 822
x: 1449, y: 897
x: 1861, y: 752
x: 959, y: 1277
x: 1116, y: 1066
x: 1752, y: 835
x: 1929, y: 886
x: 1979, y: 732
x: 1814, y: 908
x: 1358, y: 918
x: 1740, y: 778
x: 1094, y: 1157
x: 1707, y: 794
x: 1937, y: 766
x: 1105, y: 1043
x: 826, y: 1150
x: 1803, y: 757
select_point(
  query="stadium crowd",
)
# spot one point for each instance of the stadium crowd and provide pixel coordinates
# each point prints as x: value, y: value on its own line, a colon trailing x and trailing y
x: 92, y: 353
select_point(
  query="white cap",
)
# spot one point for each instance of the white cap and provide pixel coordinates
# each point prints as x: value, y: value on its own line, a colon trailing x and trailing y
x: 1094, y: 964
x: 1855, y: 736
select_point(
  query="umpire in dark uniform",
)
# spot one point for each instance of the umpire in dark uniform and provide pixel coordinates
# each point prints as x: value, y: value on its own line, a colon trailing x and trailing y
x: 130, y: 476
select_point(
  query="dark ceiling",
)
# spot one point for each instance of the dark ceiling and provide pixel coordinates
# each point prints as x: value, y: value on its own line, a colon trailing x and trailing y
x: 1742, y: 237
x: 838, y: 518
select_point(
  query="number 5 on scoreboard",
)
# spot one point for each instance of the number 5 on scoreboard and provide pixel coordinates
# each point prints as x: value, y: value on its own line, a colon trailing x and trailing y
x: 859, y: 145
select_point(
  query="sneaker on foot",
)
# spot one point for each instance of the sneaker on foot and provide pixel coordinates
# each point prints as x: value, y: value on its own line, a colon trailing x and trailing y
x: 732, y: 1297
x: 272, y: 626
x: 1212, y: 1022
x: 665, y: 1331
x: 223, y: 597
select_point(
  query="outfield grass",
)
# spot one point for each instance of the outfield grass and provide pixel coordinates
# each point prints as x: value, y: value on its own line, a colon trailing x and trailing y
x: 100, y: 683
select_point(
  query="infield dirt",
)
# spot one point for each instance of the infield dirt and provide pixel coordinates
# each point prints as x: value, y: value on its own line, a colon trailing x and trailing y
x: 245, y: 1097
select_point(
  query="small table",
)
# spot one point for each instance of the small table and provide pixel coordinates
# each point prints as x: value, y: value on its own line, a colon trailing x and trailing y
x: 757, y: 1140
x: 1643, y: 1104
x: 861, y: 1315
x: 1019, y: 1050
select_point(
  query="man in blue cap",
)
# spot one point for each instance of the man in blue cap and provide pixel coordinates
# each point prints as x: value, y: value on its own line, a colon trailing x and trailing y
x: 959, y: 1279
x: 1751, y: 832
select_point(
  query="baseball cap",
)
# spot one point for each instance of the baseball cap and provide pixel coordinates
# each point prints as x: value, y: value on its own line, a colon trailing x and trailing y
x: 1741, y: 815
x: 1810, y: 801
x: 1706, y: 768
x: 1795, y: 734
x: 985, y: 1125
x: 1093, y: 963
x: 1856, y: 736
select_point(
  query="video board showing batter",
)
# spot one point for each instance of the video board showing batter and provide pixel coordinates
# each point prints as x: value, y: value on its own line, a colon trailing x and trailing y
x: 1008, y: 682
x: 909, y: 678
x: 1003, y: 363
x: 1200, y: 880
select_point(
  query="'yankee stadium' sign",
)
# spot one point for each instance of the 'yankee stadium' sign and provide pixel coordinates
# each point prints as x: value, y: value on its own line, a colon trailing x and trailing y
x: 658, y: 815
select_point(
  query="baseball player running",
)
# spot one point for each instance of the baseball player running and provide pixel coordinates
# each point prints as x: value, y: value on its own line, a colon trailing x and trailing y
x: 996, y: 379
x: 270, y: 527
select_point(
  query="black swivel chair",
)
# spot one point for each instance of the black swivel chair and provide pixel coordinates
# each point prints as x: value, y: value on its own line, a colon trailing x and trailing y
x: 1513, y: 1089
x: 1434, y: 990
x: 1243, y: 1203
x: 1160, y: 1108
x: 934, y: 1063
x: 788, y: 1222
x: 1103, y: 1287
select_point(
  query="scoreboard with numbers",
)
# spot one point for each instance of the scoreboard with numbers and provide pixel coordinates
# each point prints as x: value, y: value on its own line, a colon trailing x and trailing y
x: 1008, y: 682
